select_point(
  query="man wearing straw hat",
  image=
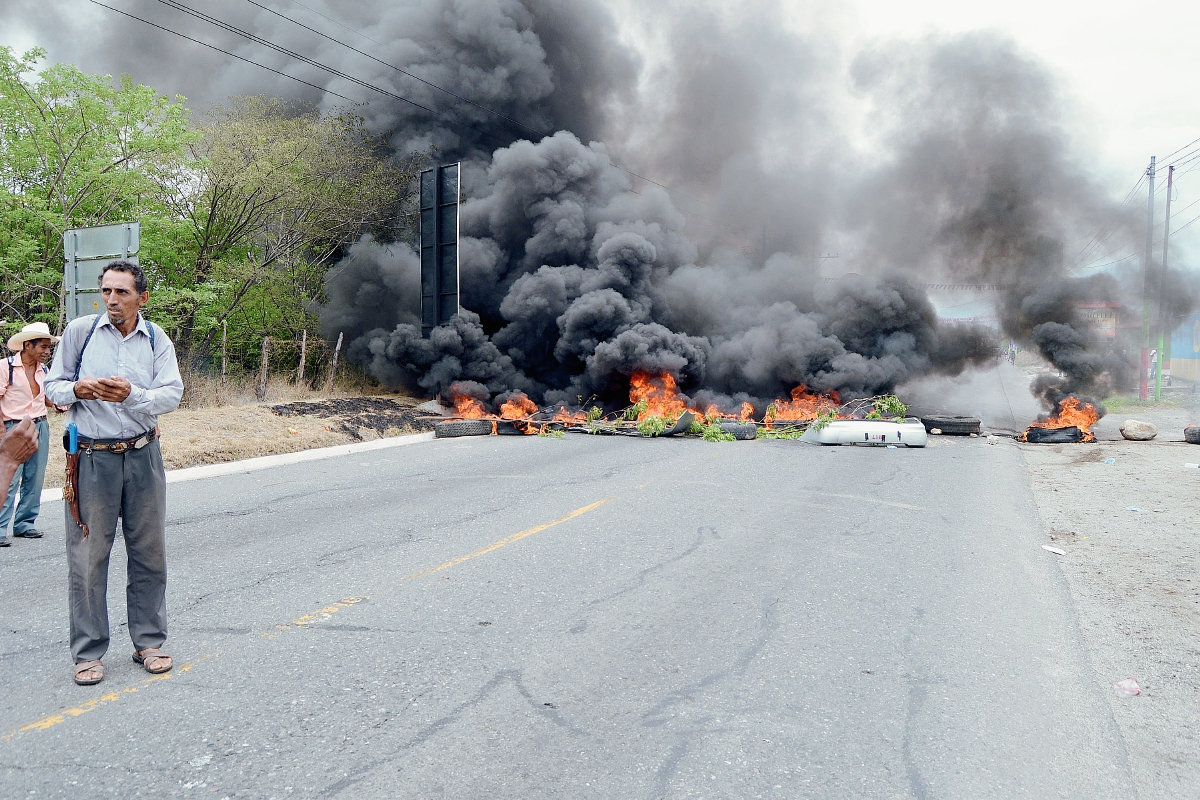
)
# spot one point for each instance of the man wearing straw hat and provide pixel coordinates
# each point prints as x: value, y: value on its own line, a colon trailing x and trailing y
x: 22, y: 396
x: 117, y: 372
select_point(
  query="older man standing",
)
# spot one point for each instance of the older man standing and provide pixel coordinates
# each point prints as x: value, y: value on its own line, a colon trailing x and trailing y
x: 22, y: 396
x: 117, y: 372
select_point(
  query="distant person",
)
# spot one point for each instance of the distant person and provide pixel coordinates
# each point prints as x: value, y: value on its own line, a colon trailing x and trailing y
x: 22, y: 396
x: 117, y: 372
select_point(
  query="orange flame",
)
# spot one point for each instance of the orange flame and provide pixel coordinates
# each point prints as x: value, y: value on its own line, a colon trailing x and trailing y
x: 660, y: 393
x: 466, y: 406
x: 518, y: 407
x: 804, y: 405
x: 570, y: 417
x: 1072, y: 411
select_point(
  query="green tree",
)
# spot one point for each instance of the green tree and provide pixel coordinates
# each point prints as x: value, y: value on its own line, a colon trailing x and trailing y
x: 75, y: 150
x: 271, y: 193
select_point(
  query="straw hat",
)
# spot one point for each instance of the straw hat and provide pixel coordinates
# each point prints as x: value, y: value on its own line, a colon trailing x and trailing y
x: 35, y: 330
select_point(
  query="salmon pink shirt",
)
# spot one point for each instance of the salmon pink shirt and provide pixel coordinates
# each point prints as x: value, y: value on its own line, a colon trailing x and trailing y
x: 17, y: 401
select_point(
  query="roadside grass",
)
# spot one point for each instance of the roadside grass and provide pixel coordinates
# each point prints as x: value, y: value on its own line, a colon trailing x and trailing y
x: 205, y: 390
x: 1123, y: 404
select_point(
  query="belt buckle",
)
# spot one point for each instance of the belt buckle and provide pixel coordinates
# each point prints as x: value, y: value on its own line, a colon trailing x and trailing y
x: 118, y: 447
x: 141, y: 442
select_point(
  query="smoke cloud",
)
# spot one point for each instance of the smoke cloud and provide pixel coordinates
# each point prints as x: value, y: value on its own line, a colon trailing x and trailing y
x: 949, y: 162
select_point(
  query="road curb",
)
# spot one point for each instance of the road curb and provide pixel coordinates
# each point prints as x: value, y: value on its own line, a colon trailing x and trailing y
x: 264, y: 462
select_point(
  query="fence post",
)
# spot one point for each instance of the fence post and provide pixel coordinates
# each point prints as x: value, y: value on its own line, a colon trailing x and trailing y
x: 260, y: 391
x: 303, y: 355
x: 333, y: 367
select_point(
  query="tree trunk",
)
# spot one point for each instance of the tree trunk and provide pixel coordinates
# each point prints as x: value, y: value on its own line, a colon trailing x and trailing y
x: 303, y: 356
x: 333, y: 367
x: 260, y: 391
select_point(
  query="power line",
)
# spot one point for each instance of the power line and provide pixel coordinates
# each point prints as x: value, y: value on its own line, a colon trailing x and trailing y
x: 447, y: 91
x: 290, y: 53
x: 1180, y: 150
x: 393, y: 66
x: 219, y: 50
x: 1108, y: 230
x: 345, y: 76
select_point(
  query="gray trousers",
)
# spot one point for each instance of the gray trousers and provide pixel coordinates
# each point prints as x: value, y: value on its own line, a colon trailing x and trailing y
x: 132, y: 485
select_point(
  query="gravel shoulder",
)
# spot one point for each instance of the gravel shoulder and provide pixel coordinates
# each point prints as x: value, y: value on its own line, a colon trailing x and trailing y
x: 1134, y: 580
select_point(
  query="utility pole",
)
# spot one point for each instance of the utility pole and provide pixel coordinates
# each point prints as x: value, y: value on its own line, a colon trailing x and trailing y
x: 1162, y: 288
x: 1144, y: 383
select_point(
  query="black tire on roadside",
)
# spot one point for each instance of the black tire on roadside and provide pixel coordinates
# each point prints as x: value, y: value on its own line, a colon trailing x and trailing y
x: 742, y: 431
x: 1191, y: 434
x: 461, y: 427
x: 1067, y: 435
x: 951, y: 424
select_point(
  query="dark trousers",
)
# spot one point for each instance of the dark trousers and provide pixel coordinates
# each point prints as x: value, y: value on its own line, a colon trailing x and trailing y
x: 133, y: 486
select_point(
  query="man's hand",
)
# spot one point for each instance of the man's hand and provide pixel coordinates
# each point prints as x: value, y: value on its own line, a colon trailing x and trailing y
x: 19, y: 443
x: 86, y: 389
x: 111, y: 390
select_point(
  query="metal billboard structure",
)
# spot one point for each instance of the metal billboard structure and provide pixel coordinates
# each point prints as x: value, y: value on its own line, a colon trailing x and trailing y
x: 440, y: 197
x: 87, y: 251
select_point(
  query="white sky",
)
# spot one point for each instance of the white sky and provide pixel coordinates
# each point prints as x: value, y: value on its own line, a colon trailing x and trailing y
x: 1129, y: 65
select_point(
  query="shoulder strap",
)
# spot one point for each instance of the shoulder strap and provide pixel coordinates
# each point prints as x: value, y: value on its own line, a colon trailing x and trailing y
x: 10, y: 369
x: 79, y: 358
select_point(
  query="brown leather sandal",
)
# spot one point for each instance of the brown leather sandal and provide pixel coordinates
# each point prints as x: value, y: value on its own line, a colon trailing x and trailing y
x: 151, y: 657
x: 88, y: 666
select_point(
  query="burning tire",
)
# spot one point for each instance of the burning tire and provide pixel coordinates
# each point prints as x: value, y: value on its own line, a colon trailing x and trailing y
x: 742, y: 431
x: 953, y: 425
x: 1068, y: 435
x: 1191, y: 434
x: 462, y: 427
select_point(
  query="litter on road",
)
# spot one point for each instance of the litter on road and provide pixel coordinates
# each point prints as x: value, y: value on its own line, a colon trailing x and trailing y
x: 1128, y: 687
x: 1054, y: 550
x: 1110, y: 461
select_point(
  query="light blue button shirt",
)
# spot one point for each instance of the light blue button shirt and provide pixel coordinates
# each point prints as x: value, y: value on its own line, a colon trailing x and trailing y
x: 154, y: 375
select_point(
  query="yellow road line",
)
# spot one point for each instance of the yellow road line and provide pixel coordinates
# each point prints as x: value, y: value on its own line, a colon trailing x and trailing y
x: 317, y: 616
x: 516, y: 537
x: 51, y: 720
x: 320, y: 615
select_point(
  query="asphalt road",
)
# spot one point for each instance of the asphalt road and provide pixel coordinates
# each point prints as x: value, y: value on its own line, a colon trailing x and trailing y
x: 584, y: 617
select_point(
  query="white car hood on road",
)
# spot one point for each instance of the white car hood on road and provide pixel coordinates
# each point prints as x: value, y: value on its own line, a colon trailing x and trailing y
x: 909, y: 433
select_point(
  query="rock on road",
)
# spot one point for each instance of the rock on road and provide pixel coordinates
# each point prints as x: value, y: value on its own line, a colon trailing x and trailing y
x: 584, y: 617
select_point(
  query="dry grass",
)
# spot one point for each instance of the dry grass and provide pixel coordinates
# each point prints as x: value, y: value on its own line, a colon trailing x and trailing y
x: 201, y: 390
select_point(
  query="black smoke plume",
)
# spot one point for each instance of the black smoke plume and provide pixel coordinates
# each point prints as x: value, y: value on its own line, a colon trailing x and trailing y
x: 576, y: 273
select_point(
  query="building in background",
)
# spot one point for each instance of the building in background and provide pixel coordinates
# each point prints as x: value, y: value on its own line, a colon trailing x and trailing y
x: 1185, y: 350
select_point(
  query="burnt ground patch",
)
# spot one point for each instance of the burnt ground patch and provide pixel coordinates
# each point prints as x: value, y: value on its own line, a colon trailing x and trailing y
x: 358, y: 416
